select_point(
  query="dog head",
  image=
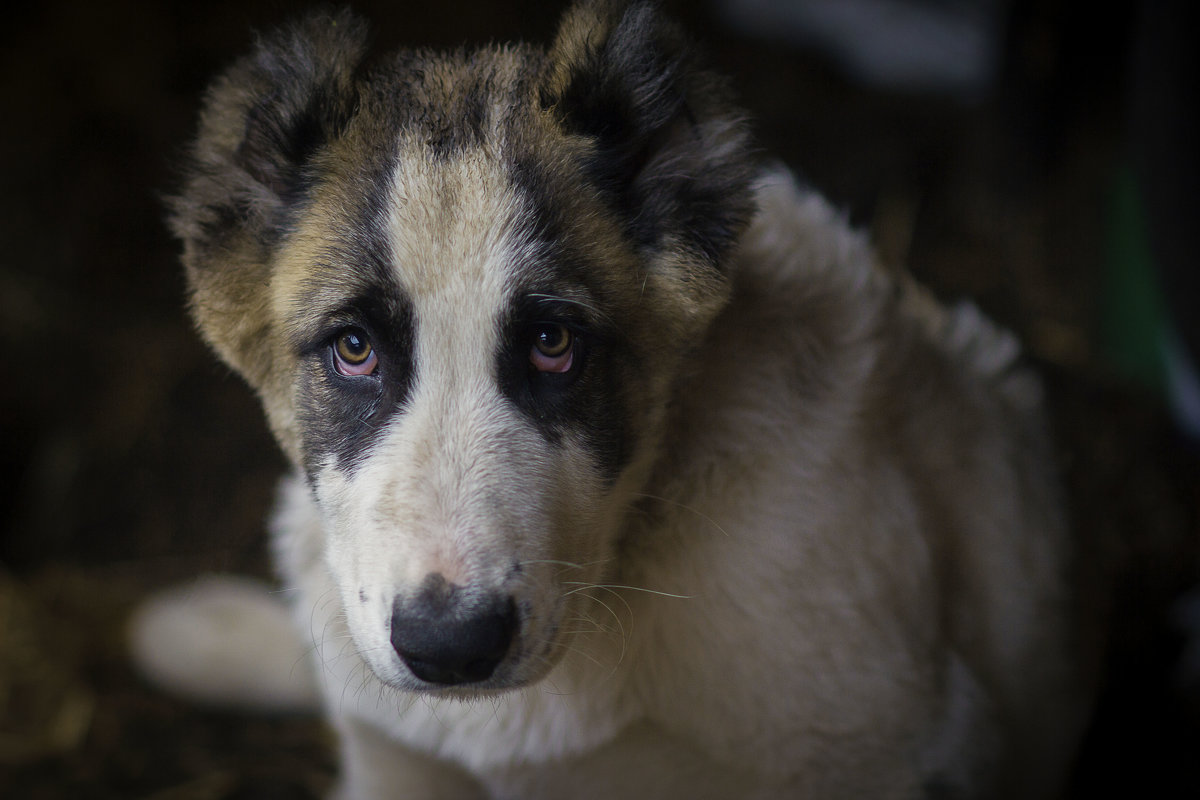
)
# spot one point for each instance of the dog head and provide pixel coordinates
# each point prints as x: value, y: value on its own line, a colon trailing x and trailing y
x: 463, y: 286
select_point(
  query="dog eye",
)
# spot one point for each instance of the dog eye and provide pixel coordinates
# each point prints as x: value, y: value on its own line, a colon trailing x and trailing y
x: 353, y: 354
x: 553, y: 348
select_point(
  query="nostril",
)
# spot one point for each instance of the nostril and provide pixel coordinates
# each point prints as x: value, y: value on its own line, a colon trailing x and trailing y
x: 446, y: 636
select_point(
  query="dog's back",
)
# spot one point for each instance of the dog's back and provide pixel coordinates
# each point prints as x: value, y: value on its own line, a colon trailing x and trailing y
x: 869, y: 472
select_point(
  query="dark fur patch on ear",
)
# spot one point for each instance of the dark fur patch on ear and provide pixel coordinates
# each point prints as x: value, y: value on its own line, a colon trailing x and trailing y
x: 669, y: 148
x: 282, y: 138
x: 263, y: 122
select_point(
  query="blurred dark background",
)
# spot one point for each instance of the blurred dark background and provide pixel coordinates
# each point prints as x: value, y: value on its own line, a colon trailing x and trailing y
x: 1049, y: 173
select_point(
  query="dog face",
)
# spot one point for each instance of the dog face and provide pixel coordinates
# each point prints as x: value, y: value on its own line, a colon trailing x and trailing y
x: 463, y: 287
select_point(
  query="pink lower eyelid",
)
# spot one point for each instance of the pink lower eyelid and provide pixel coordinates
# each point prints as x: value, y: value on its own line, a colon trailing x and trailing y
x: 544, y: 363
x: 365, y: 368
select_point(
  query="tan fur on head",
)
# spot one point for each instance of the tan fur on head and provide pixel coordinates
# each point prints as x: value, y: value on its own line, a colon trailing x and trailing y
x: 619, y: 106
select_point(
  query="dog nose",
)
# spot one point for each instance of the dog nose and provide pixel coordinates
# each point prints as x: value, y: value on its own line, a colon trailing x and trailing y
x: 449, y: 636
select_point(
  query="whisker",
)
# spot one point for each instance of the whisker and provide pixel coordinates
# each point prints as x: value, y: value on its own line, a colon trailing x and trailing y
x: 685, y: 507
x: 621, y: 632
x: 585, y: 654
x: 580, y: 586
x: 566, y: 564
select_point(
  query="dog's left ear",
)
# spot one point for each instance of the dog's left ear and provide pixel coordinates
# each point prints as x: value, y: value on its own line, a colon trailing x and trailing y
x: 668, y: 148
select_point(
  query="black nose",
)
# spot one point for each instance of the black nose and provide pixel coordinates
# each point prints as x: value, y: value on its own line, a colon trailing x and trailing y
x: 448, y: 635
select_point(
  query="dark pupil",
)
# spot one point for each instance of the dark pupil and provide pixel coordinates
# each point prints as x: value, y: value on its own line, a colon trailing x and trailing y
x: 551, y: 339
x: 354, y: 345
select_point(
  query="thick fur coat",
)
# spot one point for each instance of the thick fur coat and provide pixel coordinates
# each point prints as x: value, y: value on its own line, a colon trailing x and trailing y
x: 621, y: 468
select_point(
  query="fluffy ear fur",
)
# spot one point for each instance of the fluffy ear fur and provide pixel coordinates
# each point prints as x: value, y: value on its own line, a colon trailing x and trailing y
x: 264, y: 122
x: 670, y: 149
x: 668, y: 142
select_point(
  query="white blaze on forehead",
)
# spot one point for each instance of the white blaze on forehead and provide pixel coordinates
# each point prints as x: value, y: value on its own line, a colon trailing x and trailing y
x: 453, y: 231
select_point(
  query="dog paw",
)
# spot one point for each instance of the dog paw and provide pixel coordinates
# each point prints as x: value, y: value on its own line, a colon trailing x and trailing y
x: 224, y: 640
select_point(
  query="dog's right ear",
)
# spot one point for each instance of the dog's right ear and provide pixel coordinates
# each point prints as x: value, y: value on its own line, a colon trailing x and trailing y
x: 263, y: 123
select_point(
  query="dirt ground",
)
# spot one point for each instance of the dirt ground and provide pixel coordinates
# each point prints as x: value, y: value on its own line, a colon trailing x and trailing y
x: 129, y: 459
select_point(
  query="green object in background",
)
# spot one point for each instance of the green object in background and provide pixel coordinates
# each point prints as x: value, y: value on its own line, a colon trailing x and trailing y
x: 1134, y: 316
x: 1138, y: 334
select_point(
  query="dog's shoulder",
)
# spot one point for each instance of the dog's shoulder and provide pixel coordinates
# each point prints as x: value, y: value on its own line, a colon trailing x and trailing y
x: 829, y: 377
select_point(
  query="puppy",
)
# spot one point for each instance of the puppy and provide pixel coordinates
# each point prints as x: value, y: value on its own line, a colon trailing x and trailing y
x: 621, y: 468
